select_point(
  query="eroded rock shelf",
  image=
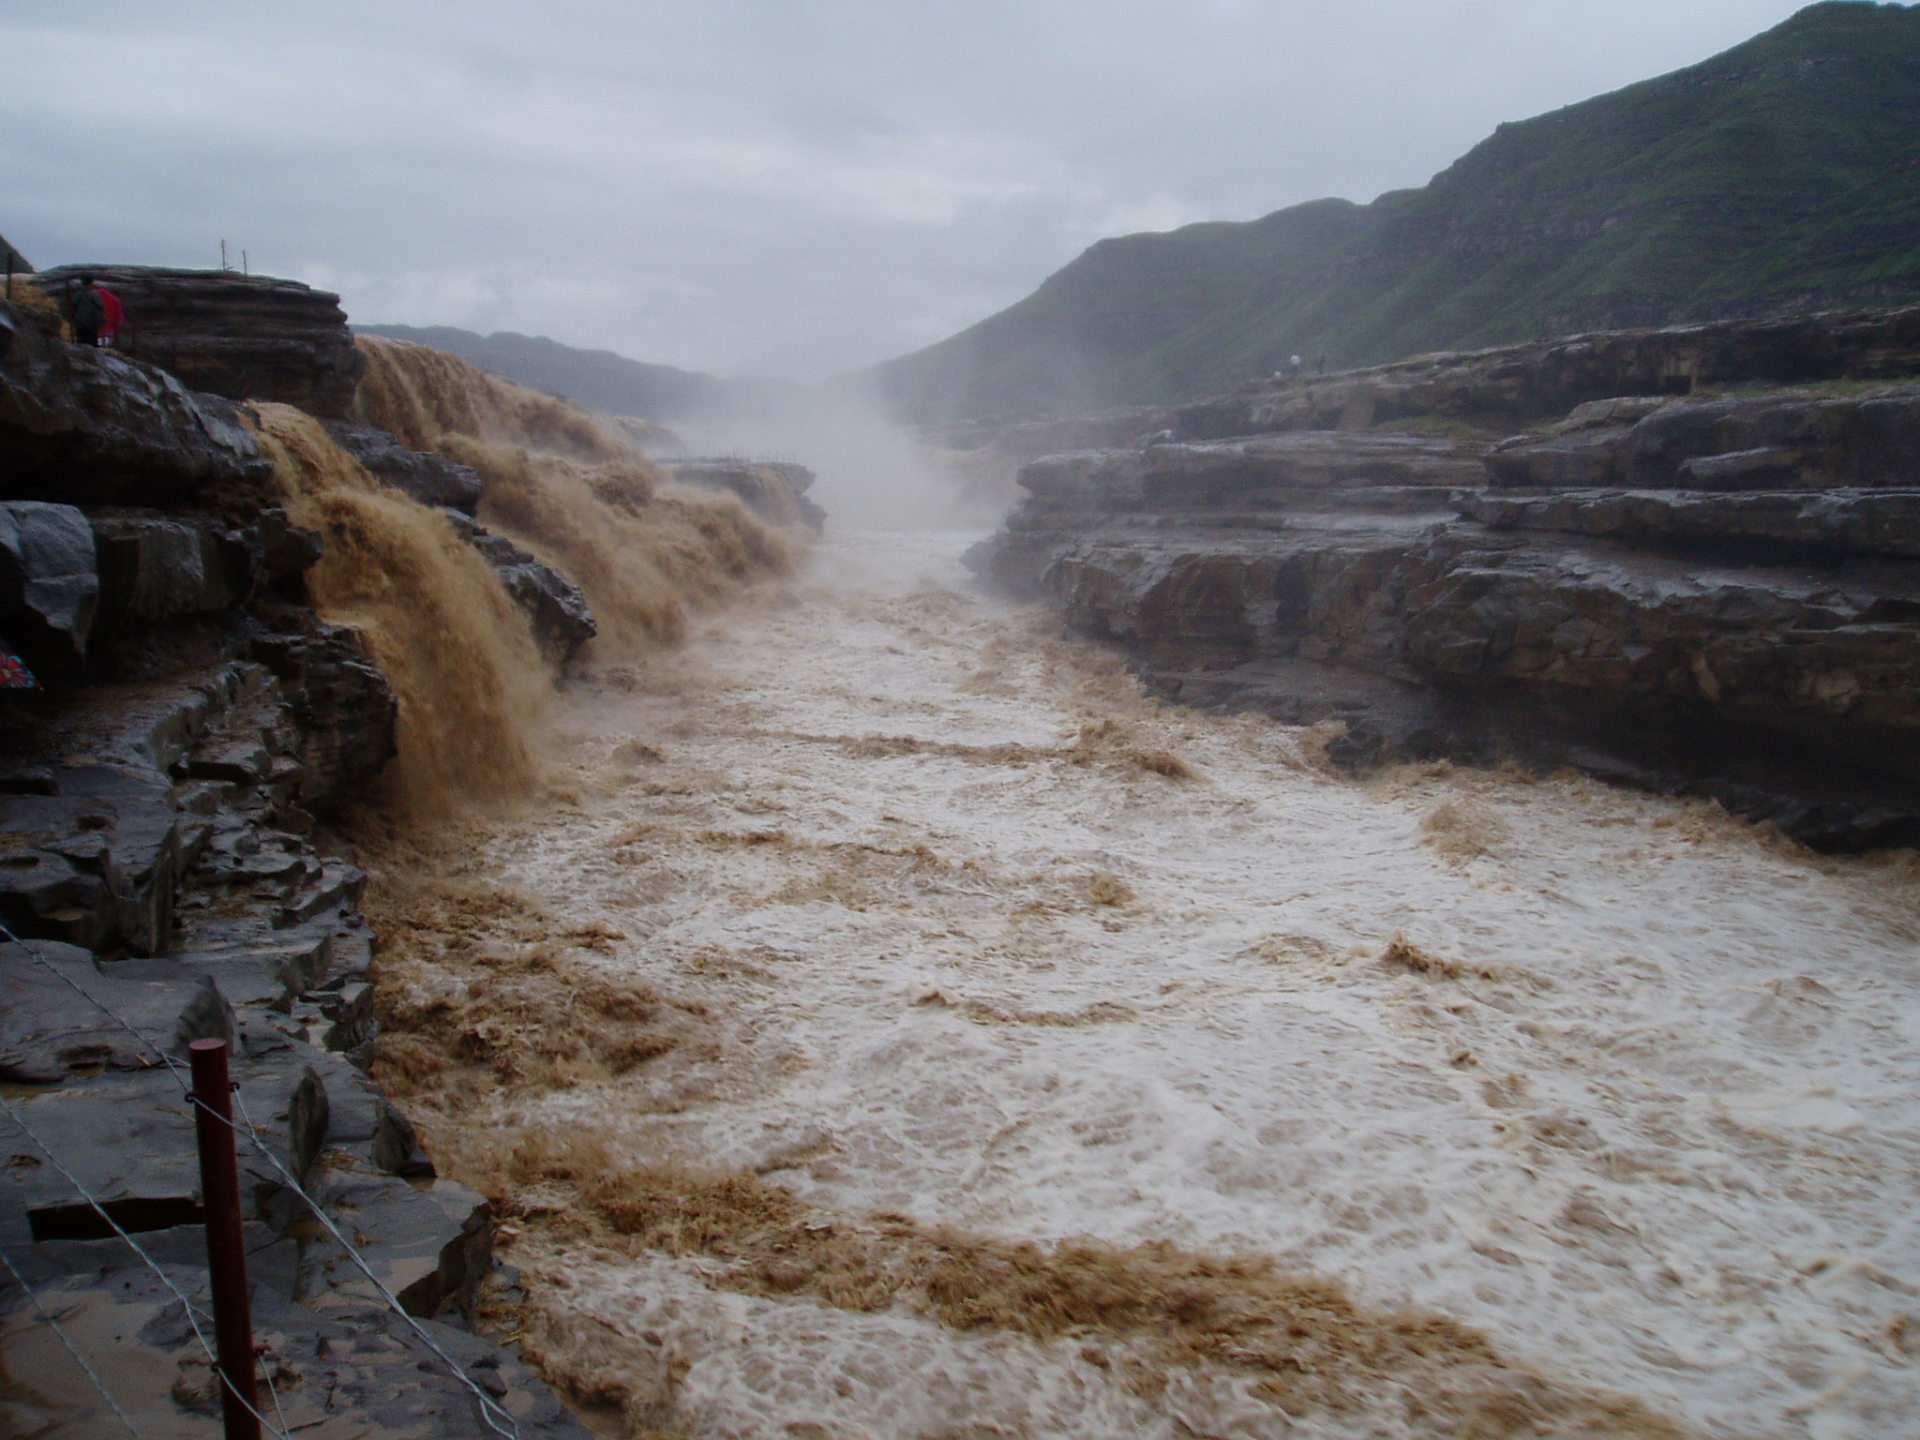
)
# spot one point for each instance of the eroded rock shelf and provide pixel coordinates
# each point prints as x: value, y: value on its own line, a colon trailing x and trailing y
x: 1682, y: 559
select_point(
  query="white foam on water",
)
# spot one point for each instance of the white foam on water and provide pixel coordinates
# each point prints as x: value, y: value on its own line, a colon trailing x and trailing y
x: 1645, y: 1106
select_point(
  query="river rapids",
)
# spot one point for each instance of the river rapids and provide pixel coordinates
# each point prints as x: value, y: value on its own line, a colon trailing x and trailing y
x: 891, y: 1022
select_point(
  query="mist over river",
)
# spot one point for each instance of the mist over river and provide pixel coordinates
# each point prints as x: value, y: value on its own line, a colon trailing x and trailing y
x: 892, y: 1022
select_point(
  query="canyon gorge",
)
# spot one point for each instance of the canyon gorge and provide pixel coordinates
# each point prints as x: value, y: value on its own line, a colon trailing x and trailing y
x: 1391, y: 914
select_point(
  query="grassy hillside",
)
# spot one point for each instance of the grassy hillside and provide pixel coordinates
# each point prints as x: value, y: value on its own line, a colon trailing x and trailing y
x: 1784, y: 173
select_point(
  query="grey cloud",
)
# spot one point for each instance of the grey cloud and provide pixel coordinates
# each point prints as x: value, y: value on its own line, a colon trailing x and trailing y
x: 745, y: 184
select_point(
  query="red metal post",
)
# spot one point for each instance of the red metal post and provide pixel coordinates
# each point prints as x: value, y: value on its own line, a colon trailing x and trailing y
x: 226, y: 1253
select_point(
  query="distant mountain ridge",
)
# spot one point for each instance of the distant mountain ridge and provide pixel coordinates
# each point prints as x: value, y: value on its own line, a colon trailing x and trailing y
x: 1782, y: 174
x: 594, y: 379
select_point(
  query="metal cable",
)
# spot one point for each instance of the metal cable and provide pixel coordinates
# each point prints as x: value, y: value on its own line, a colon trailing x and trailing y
x: 78, y: 1358
x: 265, y: 1372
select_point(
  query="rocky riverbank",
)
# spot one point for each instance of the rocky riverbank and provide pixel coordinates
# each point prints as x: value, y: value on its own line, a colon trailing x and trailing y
x: 1684, y: 559
x: 163, y: 876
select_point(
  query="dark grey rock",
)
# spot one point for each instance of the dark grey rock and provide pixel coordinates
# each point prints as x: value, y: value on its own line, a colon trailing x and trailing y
x: 1267, y: 472
x: 1742, y: 622
x: 436, y: 1241
x: 48, y: 1031
x: 155, y: 568
x: 1766, y: 467
x: 555, y: 608
x: 127, y: 1136
x: 1794, y: 440
x: 90, y: 427
x: 431, y: 479
x: 1516, y: 385
x: 341, y: 706
x: 336, y: 886
x: 363, y: 1124
x: 95, y: 864
x: 356, y: 1369
x: 49, y: 580
x: 1846, y: 522
x: 286, y: 550
x: 255, y: 963
x: 1581, y: 459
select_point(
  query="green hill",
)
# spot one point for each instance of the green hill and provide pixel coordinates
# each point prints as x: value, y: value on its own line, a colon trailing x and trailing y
x: 1783, y: 174
x: 597, y: 379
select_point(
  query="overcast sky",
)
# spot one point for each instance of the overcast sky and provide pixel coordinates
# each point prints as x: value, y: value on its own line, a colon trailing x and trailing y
x: 752, y: 186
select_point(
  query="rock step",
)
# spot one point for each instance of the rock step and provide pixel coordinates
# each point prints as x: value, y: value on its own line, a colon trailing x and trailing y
x: 349, y: 1373
x: 1845, y: 522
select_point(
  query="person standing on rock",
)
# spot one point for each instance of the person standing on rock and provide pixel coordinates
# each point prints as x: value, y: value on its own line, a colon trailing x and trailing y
x: 116, y: 317
x: 89, y: 313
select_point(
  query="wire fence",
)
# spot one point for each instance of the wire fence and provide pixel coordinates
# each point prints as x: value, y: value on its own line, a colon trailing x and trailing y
x: 491, y: 1414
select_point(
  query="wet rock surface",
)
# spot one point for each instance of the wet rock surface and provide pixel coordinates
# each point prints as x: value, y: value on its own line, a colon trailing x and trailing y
x: 156, y: 567
x: 160, y: 883
x: 49, y: 579
x: 352, y: 1372
x: 555, y: 607
x: 1712, y: 595
x: 773, y: 489
x: 204, y: 910
x: 431, y: 479
x: 93, y: 427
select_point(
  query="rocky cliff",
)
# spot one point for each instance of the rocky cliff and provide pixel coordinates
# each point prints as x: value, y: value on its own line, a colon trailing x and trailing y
x: 245, y: 337
x: 161, y: 792
x: 1645, y: 554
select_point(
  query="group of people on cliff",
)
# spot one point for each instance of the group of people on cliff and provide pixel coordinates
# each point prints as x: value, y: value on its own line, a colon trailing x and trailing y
x: 96, y: 314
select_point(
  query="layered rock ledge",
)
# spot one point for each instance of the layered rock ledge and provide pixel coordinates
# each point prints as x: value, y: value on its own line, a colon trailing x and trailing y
x: 244, y: 337
x: 1699, y: 590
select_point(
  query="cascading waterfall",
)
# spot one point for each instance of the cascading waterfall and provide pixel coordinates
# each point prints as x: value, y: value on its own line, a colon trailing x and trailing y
x: 576, y: 494
x: 458, y: 652
x: 473, y: 688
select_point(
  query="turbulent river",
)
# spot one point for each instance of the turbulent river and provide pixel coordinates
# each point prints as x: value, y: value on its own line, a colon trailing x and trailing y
x: 892, y: 1022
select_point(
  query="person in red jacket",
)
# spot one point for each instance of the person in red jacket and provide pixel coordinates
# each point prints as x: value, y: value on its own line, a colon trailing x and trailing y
x: 116, y: 317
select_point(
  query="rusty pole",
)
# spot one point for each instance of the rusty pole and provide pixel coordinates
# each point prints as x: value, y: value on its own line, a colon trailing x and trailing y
x: 226, y: 1254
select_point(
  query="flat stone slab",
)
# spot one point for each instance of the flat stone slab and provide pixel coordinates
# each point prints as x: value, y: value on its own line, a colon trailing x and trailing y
x: 127, y: 1137
x: 435, y: 1241
x: 255, y: 963
x: 49, y: 1032
x: 1864, y: 522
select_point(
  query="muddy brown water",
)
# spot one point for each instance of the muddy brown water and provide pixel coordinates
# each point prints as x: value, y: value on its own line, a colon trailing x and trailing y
x: 885, y: 1020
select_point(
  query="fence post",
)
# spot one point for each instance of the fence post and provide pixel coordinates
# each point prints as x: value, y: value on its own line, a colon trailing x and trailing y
x: 226, y: 1252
